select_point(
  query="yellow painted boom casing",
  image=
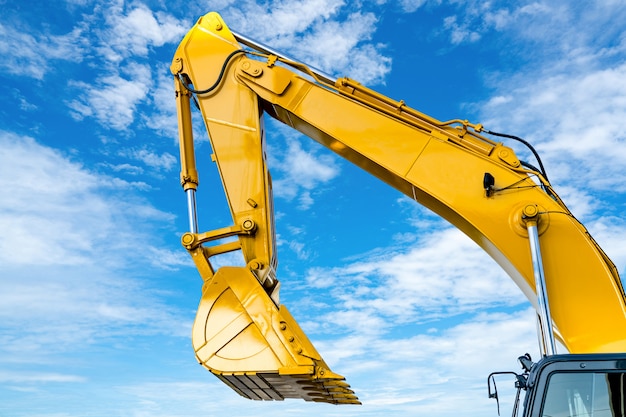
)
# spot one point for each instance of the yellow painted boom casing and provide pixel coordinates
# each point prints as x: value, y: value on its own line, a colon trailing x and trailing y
x: 443, y: 166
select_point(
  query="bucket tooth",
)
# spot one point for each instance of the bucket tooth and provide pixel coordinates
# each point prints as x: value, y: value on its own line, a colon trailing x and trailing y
x: 256, y: 347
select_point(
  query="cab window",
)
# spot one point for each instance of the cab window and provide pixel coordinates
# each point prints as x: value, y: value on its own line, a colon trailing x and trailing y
x: 578, y: 394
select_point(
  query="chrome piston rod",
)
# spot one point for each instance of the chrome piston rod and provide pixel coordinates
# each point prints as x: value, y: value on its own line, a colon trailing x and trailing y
x: 548, y: 345
x: 192, y: 210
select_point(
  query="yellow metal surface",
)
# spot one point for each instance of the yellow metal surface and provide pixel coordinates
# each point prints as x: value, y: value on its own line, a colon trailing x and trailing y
x: 439, y: 164
x: 257, y: 348
x: 188, y: 173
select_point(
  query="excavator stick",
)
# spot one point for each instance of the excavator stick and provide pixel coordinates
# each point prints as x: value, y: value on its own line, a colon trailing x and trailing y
x: 241, y: 333
x: 257, y: 348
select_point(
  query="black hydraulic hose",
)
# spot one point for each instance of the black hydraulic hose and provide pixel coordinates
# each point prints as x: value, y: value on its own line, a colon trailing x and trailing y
x: 529, y: 166
x: 219, y: 77
x: 529, y: 146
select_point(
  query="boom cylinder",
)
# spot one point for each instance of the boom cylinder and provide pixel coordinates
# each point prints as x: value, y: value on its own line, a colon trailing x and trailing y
x: 188, y: 173
x: 547, y: 345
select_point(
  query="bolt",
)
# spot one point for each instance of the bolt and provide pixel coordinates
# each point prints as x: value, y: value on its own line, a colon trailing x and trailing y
x: 530, y: 211
x: 187, y: 239
x: 283, y: 326
x: 255, y: 265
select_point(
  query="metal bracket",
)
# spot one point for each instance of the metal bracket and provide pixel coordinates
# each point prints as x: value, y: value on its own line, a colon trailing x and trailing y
x: 192, y: 240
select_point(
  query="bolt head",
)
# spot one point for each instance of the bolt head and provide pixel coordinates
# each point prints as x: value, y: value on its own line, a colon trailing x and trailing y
x: 530, y: 210
x: 187, y: 239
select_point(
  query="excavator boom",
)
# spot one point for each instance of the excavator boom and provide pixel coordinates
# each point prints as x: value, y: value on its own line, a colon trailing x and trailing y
x: 242, y: 333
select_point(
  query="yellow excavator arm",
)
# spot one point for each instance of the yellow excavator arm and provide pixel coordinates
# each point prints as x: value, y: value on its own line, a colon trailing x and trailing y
x: 242, y: 334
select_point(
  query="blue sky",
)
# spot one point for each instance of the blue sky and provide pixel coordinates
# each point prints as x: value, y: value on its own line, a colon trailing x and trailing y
x: 97, y: 296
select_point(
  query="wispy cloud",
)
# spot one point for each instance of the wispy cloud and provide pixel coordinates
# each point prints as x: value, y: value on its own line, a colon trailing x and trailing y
x: 67, y: 237
x: 425, y: 370
x: 415, y: 284
x: 409, y: 6
x: 113, y: 99
x: 162, y: 117
x: 300, y: 171
x: 327, y: 34
x: 566, y: 97
x: 6, y: 377
x: 131, y: 33
x: 34, y: 54
x: 574, y: 113
x: 160, y: 161
x: 60, y: 210
x: 122, y: 78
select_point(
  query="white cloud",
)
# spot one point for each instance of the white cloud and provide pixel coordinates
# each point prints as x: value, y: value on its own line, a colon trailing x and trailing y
x: 425, y: 371
x: 114, y: 98
x: 341, y: 48
x: 177, y: 398
x: 134, y: 32
x: 538, y: 29
x: 283, y: 17
x: 7, y: 377
x: 302, y: 171
x: 410, y: 6
x: 43, y: 212
x: 460, y: 32
x: 167, y: 259
x: 32, y: 55
x: 417, y: 284
x: 160, y: 161
x: 316, y: 33
x: 71, y: 244
x: 115, y: 53
x: 126, y: 168
x: 609, y: 232
x: 574, y: 119
x: 81, y: 306
x: 60, y: 212
x: 163, y: 118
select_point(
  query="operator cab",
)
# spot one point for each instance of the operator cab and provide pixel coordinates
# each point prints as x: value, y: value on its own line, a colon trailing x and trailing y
x: 589, y: 385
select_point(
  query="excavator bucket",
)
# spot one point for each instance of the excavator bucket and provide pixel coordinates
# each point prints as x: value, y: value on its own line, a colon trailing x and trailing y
x: 257, y: 348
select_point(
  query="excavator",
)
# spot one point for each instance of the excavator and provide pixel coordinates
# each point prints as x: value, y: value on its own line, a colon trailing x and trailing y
x: 457, y: 169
